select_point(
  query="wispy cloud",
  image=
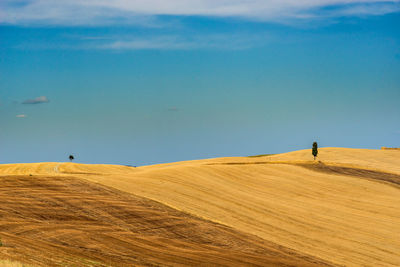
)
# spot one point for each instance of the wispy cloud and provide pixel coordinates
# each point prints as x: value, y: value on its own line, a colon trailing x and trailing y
x: 173, y: 109
x: 143, y: 12
x: 37, y: 100
x: 157, y: 41
x: 68, y: 13
x: 21, y: 116
x: 185, y: 42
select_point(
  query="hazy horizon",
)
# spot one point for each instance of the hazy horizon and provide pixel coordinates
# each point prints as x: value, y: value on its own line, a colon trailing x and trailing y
x: 143, y: 83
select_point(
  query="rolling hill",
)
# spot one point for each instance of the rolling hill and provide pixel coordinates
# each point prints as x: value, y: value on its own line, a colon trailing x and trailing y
x: 284, y: 209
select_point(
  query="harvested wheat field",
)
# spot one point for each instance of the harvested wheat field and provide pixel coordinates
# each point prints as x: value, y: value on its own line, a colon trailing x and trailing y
x: 285, y: 210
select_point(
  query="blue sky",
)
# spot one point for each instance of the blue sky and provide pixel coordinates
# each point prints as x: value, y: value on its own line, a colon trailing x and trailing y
x: 143, y: 82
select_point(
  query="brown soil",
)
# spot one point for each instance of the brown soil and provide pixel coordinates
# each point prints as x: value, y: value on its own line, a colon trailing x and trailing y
x: 65, y: 221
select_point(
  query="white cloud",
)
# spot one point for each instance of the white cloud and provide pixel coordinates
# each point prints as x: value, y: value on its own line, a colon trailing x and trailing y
x: 95, y: 12
x: 21, y: 116
x: 154, y: 41
x: 179, y: 42
x: 37, y: 100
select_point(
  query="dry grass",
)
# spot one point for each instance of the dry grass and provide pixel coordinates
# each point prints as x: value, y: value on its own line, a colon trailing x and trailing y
x: 8, y: 263
x: 333, y: 214
x: 389, y: 178
x: 65, y: 221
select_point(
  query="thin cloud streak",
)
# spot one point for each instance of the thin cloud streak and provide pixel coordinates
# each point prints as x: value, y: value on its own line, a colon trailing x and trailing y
x: 143, y: 12
x: 237, y: 41
x: 179, y: 42
x: 173, y: 109
x: 37, y: 100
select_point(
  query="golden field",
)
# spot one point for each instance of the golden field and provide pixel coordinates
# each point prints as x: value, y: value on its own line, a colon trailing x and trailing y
x: 284, y: 209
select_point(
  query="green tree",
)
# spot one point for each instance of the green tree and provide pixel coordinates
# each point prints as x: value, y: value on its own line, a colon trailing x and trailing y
x: 315, y: 149
x: 71, y: 158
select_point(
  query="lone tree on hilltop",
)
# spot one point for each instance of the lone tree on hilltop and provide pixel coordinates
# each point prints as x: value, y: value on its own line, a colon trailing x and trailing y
x: 71, y: 158
x: 315, y: 149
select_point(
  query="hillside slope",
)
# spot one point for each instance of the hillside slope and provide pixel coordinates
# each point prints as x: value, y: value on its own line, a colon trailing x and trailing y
x: 345, y: 210
x: 66, y: 221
